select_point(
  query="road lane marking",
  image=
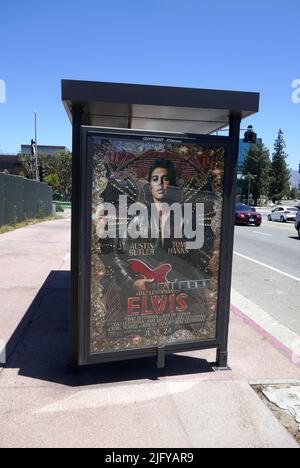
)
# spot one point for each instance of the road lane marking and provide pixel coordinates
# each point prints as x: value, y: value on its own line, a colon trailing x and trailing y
x: 263, y: 234
x: 267, y: 266
x: 276, y: 224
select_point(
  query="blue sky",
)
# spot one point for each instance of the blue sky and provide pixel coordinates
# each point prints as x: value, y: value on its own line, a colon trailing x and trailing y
x: 247, y: 46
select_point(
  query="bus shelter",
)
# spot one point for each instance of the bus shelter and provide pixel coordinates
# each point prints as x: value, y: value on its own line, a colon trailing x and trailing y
x: 152, y: 219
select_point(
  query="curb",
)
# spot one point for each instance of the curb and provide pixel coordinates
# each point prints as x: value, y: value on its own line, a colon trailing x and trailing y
x: 282, y: 348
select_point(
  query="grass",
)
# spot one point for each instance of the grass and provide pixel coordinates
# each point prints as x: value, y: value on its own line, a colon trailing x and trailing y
x: 26, y: 222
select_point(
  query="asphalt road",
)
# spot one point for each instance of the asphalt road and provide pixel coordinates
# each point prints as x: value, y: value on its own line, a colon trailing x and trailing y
x: 266, y: 269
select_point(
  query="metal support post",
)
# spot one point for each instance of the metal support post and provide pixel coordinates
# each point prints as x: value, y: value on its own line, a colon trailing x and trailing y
x: 76, y: 194
x: 230, y: 183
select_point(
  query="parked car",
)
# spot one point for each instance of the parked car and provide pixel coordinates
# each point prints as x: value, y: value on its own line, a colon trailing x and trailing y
x: 245, y: 214
x: 297, y: 223
x: 283, y: 214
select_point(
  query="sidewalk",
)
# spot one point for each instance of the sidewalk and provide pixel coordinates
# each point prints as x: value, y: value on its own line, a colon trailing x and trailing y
x: 129, y: 404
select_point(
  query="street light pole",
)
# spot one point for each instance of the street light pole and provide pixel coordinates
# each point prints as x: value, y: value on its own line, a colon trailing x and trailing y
x: 35, y: 139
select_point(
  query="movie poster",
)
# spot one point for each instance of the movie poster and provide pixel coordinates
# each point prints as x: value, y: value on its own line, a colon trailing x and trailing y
x: 156, y: 231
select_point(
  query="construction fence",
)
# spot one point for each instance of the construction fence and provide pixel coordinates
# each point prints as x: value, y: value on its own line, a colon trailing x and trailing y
x: 22, y: 198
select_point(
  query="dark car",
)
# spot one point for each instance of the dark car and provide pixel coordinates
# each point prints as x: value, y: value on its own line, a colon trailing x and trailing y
x: 245, y: 214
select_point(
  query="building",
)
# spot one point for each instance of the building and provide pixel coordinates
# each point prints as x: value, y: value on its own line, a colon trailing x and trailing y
x: 250, y: 139
x: 9, y: 162
x: 45, y: 149
x: 245, y: 146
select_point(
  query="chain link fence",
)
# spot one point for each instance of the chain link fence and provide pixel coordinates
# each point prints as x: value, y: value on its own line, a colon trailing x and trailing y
x: 22, y: 198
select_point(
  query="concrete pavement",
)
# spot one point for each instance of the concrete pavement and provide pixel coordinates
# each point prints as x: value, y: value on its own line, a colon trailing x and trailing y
x: 129, y: 404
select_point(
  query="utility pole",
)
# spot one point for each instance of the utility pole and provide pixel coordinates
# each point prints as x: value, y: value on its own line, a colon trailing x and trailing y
x: 36, y: 151
x: 249, y: 188
x: 250, y: 177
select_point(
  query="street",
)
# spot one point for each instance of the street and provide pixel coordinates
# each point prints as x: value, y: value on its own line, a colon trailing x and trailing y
x: 266, y: 269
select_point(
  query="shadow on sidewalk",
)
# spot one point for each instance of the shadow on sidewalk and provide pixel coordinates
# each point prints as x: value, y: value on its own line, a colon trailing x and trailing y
x: 39, y: 346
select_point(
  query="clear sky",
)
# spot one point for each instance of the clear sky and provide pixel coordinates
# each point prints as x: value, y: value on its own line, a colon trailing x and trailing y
x: 247, y: 46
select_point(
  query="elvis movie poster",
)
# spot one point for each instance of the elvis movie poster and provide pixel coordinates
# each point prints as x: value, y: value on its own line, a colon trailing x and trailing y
x: 155, y: 240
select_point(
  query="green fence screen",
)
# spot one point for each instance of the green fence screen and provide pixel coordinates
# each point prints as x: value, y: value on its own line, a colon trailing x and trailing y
x: 22, y: 198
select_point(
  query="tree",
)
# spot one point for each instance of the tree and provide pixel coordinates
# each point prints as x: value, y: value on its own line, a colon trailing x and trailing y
x: 280, y: 184
x: 59, y: 167
x: 295, y: 193
x: 54, y: 182
x: 28, y: 165
x: 256, y: 169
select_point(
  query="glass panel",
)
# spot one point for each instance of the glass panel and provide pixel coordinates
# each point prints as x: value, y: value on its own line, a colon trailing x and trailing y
x: 156, y: 231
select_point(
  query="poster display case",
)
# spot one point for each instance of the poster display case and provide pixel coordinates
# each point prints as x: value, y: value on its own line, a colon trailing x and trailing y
x: 152, y: 208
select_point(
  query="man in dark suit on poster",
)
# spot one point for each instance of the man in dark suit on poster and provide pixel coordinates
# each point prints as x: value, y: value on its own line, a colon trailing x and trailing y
x: 156, y: 271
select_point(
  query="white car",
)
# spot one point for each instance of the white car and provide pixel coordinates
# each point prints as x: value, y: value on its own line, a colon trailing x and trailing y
x: 297, y: 223
x: 283, y: 214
